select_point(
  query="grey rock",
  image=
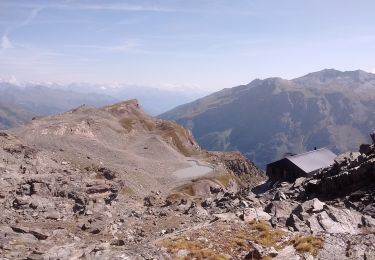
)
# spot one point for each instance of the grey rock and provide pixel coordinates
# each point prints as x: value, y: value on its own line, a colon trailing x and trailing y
x: 280, y: 196
x: 366, y: 149
x: 54, y: 215
x: 297, y: 224
x: 149, y: 201
x: 373, y: 138
x: 288, y: 253
x: 40, y: 235
x: 258, y: 252
x: 64, y: 252
x: 298, y: 182
x: 304, y: 210
x: 280, y: 211
x: 244, y: 204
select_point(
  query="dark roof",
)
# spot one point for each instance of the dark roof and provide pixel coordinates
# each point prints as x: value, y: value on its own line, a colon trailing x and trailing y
x: 313, y: 160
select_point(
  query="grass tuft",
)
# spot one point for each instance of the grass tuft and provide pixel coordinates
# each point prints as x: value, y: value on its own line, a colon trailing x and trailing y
x: 267, y: 236
x: 196, y: 250
x: 127, y: 123
x: 308, y: 244
x: 186, y: 189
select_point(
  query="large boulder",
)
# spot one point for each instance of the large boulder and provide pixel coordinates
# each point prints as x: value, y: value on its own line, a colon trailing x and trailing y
x: 366, y: 149
x: 297, y: 224
x: 304, y: 210
x: 280, y: 211
x: 334, y: 220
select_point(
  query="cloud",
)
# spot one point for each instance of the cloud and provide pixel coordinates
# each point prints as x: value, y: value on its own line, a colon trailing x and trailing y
x: 128, y: 46
x: 32, y: 15
x: 138, y: 7
x: 12, y: 80
x: 96, y: 7
x: 373, y: 70
x: 6, y: 43
x: 122, y: 7
x: 125, y: 47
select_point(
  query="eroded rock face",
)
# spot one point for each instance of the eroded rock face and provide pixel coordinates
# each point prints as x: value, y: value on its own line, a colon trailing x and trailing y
x: 316, y: 217
x: 240, y: 166
x: 337, y: 204
x: 373, y: 138
x: 351, y: 178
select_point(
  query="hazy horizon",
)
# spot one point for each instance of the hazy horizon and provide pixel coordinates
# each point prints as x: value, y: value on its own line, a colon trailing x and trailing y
x: 206, y: 45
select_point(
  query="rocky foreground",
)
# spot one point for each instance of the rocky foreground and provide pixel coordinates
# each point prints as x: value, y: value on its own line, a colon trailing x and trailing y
x: 99, y: 184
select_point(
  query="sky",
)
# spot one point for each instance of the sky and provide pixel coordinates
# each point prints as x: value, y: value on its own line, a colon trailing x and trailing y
x: 182, y: 44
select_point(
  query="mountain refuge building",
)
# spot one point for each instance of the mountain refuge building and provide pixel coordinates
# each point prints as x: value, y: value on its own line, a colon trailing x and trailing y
x: 300, y: 165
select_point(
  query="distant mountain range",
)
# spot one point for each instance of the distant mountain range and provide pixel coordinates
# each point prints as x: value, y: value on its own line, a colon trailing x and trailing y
x: 18, y: 104
x: 154, y: 100
x: 268, y: 118
x: 13, y: 115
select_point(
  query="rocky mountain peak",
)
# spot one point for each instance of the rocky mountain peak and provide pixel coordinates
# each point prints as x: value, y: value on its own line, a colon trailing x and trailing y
x: 334, y: 76
x: 324, y: 74
x: 129, y: 105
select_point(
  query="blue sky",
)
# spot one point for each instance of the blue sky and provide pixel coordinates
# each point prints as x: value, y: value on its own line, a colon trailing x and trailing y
x: 183, y: 43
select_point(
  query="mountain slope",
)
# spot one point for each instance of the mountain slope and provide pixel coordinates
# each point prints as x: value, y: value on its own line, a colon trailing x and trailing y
x: 12, y: 115
x: 268, y: 118
x: 120, y: 137
x: 94, y: 177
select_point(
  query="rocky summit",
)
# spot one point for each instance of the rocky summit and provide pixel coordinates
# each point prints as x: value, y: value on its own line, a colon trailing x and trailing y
x: 116, y: 183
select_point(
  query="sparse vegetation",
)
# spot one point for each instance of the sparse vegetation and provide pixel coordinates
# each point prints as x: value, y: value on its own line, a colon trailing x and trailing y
x: 260, y: 225
x: 224, y: 178
x: 177, y: 142
x: 127, y: 123
x: 148, y: 124
x: 268, y: 236
x: 174, y: 132
x: 127, y: 191
x: 308, y: 244
x: 186, y: 189
x: 196, y: 250
x: 233, y: 238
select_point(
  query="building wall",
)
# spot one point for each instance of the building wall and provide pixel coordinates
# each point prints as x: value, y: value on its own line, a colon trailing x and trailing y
x: 284, y: 170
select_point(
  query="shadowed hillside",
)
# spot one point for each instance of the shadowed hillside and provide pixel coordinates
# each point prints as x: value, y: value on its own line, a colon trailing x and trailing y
x: 268, y: 118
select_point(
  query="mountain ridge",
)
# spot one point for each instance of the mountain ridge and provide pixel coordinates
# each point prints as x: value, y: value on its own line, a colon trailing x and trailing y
x: 268, y: 118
